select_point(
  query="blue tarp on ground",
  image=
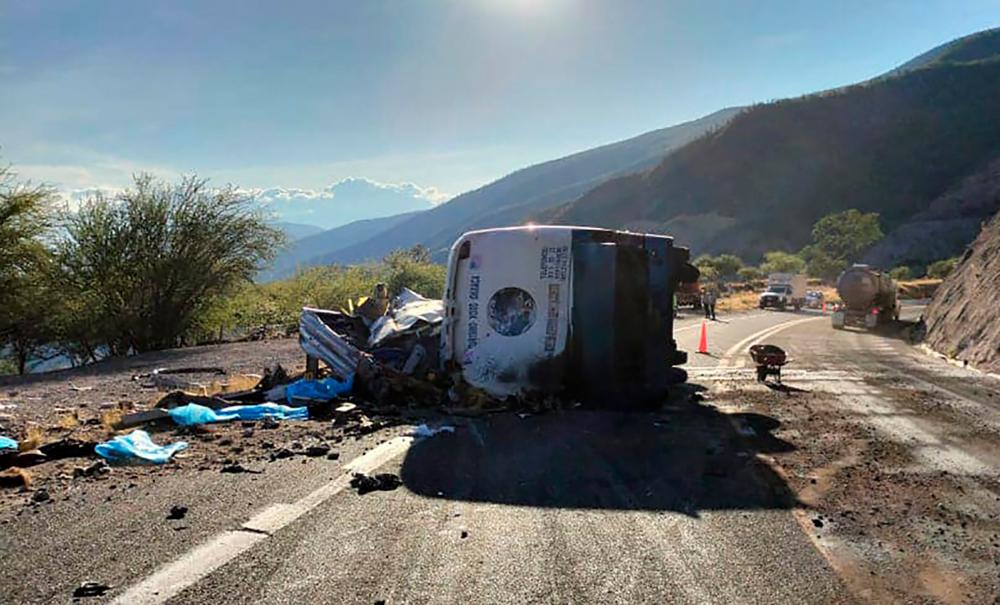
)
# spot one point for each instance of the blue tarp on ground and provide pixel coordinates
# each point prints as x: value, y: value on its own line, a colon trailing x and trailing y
x: 193, y: 413
x: 137, y: 446
x: 6, y: 443
x: 318, y: 390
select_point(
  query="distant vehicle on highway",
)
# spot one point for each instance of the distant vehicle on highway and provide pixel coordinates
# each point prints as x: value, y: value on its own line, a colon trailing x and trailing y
x: 784, y: 290
x: 814, y: 299
x: 689, y: 295
x: 870, y: 298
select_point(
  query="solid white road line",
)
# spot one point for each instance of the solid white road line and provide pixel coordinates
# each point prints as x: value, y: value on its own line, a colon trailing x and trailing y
x: 727, y: 359
x: 169, y: 580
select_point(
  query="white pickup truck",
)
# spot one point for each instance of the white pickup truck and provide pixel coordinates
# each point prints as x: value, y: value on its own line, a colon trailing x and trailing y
x: 784, y: 290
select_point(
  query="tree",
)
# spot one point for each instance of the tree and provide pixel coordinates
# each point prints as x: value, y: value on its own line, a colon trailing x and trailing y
x: 750, y: 274
x: 942, y: 268
x: 142, y: 266
x: 822, y: 265
x: 782, y: 262
x: 723, y: 266
x: 25, y: 305
x: 901, y: 273
x: 413, y: 269
x: 843, y: 236
x: 838, y: 240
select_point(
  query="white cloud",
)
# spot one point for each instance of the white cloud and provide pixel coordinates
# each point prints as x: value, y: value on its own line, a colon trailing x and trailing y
x: 347, y: 200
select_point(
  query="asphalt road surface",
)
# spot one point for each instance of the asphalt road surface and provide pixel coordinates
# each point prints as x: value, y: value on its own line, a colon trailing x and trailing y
x: 688, y: 504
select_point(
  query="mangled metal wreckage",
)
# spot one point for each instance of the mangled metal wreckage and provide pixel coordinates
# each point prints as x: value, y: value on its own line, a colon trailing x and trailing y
x: 577, y: 312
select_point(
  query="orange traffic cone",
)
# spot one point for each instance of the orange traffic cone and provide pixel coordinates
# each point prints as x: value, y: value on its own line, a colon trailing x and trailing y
x: 703, y: 343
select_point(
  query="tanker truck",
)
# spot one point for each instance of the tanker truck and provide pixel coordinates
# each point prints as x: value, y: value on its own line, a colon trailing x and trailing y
x: 869, y: 298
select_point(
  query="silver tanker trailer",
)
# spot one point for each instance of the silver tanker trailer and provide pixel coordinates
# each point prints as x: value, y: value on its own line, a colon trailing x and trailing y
x: 869, y: 298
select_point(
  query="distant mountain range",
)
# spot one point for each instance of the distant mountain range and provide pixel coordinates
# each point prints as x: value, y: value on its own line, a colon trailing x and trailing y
x: 296, y: 231
x: 510, y: 200
x: 919, y: 145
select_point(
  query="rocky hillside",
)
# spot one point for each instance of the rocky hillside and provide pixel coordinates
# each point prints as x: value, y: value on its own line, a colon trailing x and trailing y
x: 946, y: 227
x: 507, y: 201
x: 963, y: 319
x: 893, y: 145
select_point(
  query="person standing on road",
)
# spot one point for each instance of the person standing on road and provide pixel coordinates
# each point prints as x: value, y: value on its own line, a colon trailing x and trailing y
x: 708, y: 298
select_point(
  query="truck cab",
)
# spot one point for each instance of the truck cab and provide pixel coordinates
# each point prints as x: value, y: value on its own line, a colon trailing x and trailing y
x: 784, y: 290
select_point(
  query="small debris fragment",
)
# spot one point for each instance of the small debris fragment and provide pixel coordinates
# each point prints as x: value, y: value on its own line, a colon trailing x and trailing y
x: 177, y: 512
x: 90, y: 589
x: 333, y: 456
x: 282, y: 453
x: 465, y: 534
x: 239, y: 468
x: 316, y: 450
x: 98, y: 468
x: 15, y: 477
x: 817, y: 522
x: 369, y: 483
x: 270, y: 422
x: 41, y: 496
x: 424, y: 431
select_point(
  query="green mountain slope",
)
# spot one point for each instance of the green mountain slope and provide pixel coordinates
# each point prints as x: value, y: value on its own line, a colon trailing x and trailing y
x: 892, y: 145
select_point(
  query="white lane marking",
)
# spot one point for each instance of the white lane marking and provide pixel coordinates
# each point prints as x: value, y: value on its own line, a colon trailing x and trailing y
x: 727, y: 357
x: 170, y: 579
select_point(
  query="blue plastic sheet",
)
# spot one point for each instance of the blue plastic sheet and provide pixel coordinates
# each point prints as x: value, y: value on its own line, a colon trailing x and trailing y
x: 6, y: 443
x: 137, y: 447
x: 256, y: 412
x: 318, y: 390
x: 193, y: 413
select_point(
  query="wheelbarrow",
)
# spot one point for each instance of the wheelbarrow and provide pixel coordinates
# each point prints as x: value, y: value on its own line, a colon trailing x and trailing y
x: 769, y: 360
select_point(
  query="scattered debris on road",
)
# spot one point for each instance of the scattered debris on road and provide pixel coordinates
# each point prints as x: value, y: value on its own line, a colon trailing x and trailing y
x: 137, y: 446
x: 177, y: 512
x: 369, y: 483
x: 424, y: 431
x: 91, y: 589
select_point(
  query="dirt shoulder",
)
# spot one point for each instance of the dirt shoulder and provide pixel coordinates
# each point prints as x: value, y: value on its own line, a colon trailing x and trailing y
x: 77, y: 408
x: 895, y: 525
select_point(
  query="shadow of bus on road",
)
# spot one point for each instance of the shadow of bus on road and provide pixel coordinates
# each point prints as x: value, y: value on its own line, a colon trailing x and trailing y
x: 689, y: 459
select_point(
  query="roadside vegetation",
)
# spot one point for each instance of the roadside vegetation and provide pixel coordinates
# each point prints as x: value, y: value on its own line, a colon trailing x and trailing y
x: 159, y: 265
x: 838, y: 241
x: 164, y: 264
x: 276, y: 305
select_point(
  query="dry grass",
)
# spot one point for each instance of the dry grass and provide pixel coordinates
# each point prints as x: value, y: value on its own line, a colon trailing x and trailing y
x: 231, y: 384
x: 748, y: 300
x: 34, y: 437
x: 737, y: 301
x: 69, y: 421
x: 111, y: 418
x: 918, y: 288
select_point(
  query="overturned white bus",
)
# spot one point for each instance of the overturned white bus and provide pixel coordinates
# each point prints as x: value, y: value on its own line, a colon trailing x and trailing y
x: 578, y: 311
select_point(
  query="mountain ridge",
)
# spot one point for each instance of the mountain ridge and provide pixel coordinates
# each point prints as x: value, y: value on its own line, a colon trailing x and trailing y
x: 890, y: 145
x: 511, y: 199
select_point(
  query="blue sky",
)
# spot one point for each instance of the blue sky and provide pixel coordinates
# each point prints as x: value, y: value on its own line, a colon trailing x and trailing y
x: 445, y: 94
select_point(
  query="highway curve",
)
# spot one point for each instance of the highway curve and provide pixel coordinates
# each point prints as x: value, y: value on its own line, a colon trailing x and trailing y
x: 733, y: 492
